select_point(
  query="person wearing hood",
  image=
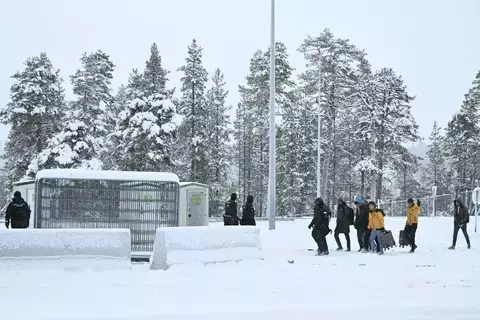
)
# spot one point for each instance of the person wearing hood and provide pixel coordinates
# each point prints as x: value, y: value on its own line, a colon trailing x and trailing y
x: 18, y: 213
x: 231, y: 216
x: 412, y: 222
x: 361, y: 224
x: 320, y: 222
x: 460, y: 221
x: 248, y: 215
x: 343, y: 224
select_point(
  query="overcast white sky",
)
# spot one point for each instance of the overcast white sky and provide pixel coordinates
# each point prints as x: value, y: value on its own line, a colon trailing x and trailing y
x: 433, y: 44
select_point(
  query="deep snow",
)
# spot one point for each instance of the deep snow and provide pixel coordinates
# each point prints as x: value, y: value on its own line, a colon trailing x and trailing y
x: 433, y: 283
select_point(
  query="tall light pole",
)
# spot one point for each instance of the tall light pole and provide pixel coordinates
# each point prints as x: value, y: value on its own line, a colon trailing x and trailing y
x: 272, y: 168
x: 319, y: 129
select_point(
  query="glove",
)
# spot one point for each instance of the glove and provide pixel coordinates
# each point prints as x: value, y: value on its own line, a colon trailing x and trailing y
x: 7, y: 224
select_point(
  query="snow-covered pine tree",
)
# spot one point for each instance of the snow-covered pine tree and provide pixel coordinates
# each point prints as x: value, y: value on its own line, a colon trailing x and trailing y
x: 34, y: 114
x: 217, y: 139
x: 255, y: 97
x: 195, y: 162
x: 82, y: 139
x: 145, y: 129
x: 462, y: 142
x: 292, y: 151
x: 394, y: 124
x: 111, y: 158
x: 406, y: 166
x: 337, y: 60
x: 436, y: 171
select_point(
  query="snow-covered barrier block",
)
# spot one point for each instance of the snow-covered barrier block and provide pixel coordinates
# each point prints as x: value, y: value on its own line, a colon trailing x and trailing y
x: 66, y: 247
x: 187, y: 245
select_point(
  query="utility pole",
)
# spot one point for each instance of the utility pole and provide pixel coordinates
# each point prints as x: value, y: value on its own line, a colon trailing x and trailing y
x: 272, y: 163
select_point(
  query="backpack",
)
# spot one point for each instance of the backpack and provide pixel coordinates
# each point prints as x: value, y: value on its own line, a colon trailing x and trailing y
x: 351, y: 216
x: 19, y: 211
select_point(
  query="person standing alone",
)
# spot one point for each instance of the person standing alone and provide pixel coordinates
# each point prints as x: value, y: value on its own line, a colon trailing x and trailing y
x: 18, y: 213
x: 460, y: 221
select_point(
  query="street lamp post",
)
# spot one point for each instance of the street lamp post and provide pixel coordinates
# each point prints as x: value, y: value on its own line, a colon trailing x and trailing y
x: 272, y: 165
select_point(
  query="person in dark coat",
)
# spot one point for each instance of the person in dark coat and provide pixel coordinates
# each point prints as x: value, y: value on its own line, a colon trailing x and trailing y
x: 18, y: 213
x: 248, y: 216
x: 320, y: 222
x: 343, y: 224
x: 231, y: 216
x: 460, y: 221
x: 361, y: 224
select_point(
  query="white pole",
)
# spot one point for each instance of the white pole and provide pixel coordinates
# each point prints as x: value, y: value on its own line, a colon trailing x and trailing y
x: 319, y: 149
x: 272, y: 169
x: 476, y: 216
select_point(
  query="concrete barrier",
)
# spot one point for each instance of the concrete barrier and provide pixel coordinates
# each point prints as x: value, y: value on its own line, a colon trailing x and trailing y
x: 65, y: 248
x: 186, y: 245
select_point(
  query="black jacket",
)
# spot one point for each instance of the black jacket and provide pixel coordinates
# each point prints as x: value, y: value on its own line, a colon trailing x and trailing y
x: 231, y: 209
x: 18, y: 213
x: 361, y: 217
x: 460, y: 216
x: 343, y: 224
x: 248, y: 213
x: 321, y: 216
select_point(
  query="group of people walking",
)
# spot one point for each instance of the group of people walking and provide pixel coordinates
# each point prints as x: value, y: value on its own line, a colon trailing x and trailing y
x: 367, y: 219
x: 369, y: 222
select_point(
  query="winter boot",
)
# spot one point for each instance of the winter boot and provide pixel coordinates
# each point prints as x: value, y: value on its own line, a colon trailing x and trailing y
x: 360, y: 250
x: 380, y: 253
x: 451, y: 248
x: 348, y: 250
x: 326, y: 253
x: 339, y: 249
x: 413, y: 249
x: 468, y: 247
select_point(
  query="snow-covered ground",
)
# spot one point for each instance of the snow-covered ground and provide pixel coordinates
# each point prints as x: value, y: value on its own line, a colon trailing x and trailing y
x: 433, y: 283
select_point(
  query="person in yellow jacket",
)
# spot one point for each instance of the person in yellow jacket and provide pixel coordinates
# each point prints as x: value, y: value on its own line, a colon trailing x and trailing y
x: 410, y: 231
x: 376, y: 224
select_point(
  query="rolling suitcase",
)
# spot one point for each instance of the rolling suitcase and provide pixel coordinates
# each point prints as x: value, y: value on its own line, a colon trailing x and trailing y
x: 387, y: 240
x: 403, y: 239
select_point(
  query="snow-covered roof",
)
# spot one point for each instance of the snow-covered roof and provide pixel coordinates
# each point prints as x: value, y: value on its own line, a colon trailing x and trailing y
x: 23, y: 182
x: 186, y: 184
x: 106, y: 175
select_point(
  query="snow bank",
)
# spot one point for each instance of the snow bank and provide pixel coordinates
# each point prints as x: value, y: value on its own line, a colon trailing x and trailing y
x: 187, y: 245
x: 65, y: 247
x: 106, y: 175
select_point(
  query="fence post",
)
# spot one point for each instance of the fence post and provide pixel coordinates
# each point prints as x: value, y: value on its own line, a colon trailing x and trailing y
x: 434, y: 195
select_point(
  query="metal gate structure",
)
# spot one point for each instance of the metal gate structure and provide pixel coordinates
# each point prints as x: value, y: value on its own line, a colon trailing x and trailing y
x: 74, y: 200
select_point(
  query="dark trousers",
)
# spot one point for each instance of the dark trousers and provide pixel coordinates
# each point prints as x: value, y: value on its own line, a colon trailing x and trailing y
x: 230, y: 221
x: 337, y: 239
x: 457, y: 227
x: 321, y: 240
x: 410, y: 232
x: 361, y: 238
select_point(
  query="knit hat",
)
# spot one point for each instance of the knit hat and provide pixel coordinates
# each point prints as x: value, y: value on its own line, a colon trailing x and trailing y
x: 17, y: 194
x: 410, y: 200
x: 233, y: 196
x: 358, y: 200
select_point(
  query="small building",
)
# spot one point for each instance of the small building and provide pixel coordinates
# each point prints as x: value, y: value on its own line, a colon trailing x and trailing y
x: 193, y: 204
x: 139, y: 201
x: 27, y: 189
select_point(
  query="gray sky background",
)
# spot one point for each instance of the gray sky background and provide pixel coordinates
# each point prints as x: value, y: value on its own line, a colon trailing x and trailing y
x: 433, y: 44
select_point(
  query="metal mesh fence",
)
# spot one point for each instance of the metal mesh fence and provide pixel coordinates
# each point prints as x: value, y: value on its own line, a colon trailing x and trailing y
x: 139, y: 206
x: 443, y: 206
